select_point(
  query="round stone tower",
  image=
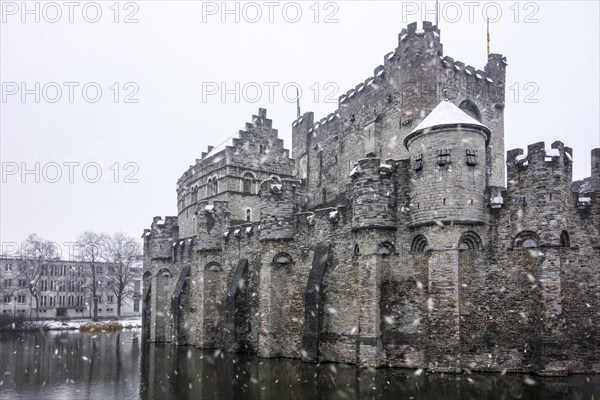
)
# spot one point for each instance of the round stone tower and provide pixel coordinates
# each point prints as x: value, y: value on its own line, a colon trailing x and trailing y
x: 448, y: 156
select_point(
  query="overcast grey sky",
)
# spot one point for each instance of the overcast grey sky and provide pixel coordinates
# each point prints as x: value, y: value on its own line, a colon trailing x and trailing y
x: 160, y: 63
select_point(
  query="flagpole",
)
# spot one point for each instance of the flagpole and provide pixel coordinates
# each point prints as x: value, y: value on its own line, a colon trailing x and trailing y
x: 298, y: 102
x: 436, y: 13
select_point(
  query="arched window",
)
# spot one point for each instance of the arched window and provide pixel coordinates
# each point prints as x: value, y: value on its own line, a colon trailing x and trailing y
x: 194, y: 194
x: 324, y: 196
x: 470, y: 108
x: 419, y: 244
x: 276, y: 180
x: 213, y: 266
x: 282, y: 259
x: 147, y: 275
x: 247, y: 183
x: 565, y: 239
x: 215, y: 189
x: 356, y: 250
x: 526, y: 240
x: 386, y: 249
x: 248, y: 215
x: 469, y: 241
x: 164, y: 272
x: 209, y: 187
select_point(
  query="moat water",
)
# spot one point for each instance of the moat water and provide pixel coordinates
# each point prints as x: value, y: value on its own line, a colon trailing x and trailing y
x: 74, y: 365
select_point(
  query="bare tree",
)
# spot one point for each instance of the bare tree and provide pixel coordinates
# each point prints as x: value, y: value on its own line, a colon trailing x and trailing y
x: 37, y: 253
x: 89, y: 247
x: 120, y: 251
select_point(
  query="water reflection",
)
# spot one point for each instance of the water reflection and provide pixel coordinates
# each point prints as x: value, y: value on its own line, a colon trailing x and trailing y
x: 74, y: 365
x: 70, y: 365
x: 186, y: 373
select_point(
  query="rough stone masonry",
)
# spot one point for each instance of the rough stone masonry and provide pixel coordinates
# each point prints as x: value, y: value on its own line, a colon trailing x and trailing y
x: 391, y: 238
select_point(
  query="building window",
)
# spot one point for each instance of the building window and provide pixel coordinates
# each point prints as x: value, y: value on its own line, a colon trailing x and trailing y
x: 248, y: 215
x: 469, y: 241
x: 213, y: 267
x: 471, y: 109
x: 247, y: 183
x: 164, y: 272
x: 22, y: 283
x: 443, y: 157
x: 418, y: 164
x: 565, y: 239
x: 282, y: 259
x: 136, y: 306
x: 213, y: 186
x: 385, y: 249
x: 7, y: 298
x: 526, y: 240
x: 110, y: 299
x: 471, y: 158
x: 7, y: 267
x: 21, y: 299
x: 7, y: 283
x: 262, y: 149
x: 419, y: 244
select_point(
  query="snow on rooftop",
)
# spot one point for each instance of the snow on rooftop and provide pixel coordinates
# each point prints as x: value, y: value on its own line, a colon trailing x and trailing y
x: 223, y: 145
x: 521, y: 157
x: 446, y: 113
x: 552, y: 153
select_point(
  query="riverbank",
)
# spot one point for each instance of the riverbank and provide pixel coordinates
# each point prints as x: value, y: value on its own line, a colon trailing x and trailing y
x: 75, y: 324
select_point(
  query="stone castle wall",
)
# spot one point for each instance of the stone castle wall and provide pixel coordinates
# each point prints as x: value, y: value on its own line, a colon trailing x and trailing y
x: 372, y: 261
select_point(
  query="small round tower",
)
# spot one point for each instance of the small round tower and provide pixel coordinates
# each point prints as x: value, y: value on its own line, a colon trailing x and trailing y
x: 448, y: 168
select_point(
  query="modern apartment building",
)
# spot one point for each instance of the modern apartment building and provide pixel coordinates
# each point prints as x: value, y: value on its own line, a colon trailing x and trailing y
x: 64, y: 289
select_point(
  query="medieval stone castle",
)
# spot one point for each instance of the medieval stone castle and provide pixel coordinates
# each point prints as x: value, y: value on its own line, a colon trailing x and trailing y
x: 391, y: 238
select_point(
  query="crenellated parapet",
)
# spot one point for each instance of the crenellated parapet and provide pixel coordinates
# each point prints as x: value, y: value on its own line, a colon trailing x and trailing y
x: 373, y: 195
x: 212, y: 218
x: 278, y: 209
x: 546, y: 170
x: 539, y: 190
x: 159, y: 238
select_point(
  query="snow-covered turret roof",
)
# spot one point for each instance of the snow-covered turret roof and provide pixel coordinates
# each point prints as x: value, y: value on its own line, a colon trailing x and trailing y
x: 447, y: 113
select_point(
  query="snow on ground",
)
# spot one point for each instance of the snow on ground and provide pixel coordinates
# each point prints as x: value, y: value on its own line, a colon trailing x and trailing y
x: 76, y: 323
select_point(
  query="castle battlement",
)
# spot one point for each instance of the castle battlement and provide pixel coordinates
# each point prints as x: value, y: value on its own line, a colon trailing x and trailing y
x: 389, y: 237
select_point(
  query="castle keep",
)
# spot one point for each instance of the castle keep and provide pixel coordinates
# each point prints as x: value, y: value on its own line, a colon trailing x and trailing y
x: 393, y: 236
